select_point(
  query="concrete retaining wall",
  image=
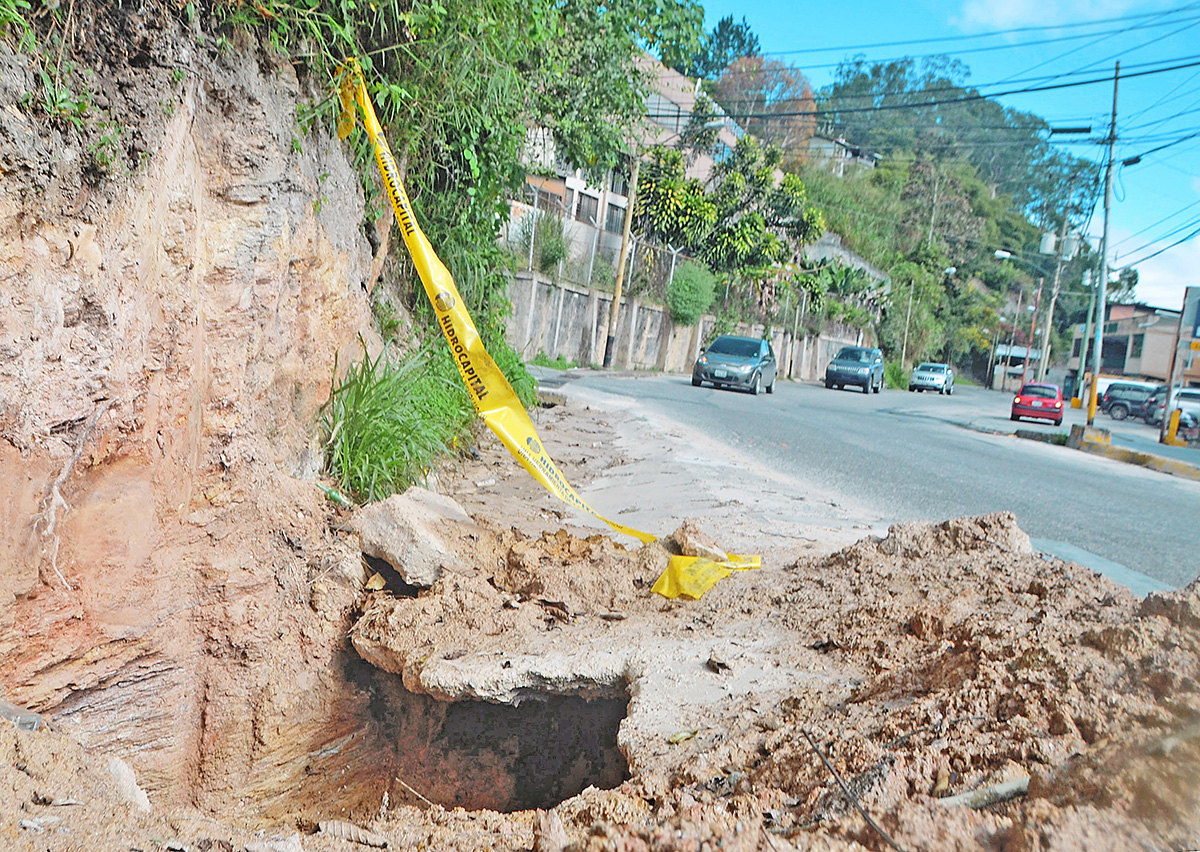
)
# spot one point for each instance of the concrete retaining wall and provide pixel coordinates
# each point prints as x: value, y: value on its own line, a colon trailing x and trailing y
x: 572, y: 322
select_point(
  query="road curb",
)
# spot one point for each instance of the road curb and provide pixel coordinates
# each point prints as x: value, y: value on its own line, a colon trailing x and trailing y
x: 1147, y: 460
x: 1150, y: 461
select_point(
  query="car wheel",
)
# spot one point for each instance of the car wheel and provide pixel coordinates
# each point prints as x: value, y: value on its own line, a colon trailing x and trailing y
x: 879, y: 385
x: 950, y: 392
x: 867, y: 387
x: 771, y: 387
x: 756, y: 388
x: 911, y: 389
x: 1118, y: 411
x: 828, y: 384
x: 1014, y: 417
x: 1058, y: 422
x: 696, y: 382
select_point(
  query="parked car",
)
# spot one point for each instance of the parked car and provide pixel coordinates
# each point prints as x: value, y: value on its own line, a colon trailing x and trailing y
x: 1189, y: 427
x: 930, y: 376
x: 856, y: 365
x: 1038, y: 400
x: 1122, y: 399
x: 1187, y: 399
x: 737, y: 362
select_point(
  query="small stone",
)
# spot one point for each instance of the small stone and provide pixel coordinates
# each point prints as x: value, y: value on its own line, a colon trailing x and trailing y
x: 548, y: 832
x: 693, y: 541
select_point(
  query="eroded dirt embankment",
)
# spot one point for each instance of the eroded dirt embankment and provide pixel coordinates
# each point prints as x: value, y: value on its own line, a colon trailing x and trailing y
x: 170, y: 588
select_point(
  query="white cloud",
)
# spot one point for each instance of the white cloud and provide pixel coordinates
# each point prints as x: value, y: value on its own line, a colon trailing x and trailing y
x: 1162, y: 279
x: 977, y: 15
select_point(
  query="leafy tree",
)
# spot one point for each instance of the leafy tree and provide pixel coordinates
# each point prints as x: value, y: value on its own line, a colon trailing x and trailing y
x: 727, y: 42
x: 765, y: 95
x: 671, y: 209
x: 763, y: 214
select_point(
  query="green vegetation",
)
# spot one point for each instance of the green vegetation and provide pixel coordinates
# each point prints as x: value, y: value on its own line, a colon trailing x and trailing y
x: 455, y: 84
x: 550, y: 246
x: 747, y: 226
x: 559, y: 363
x: 388, y: 424
x: 690, y: 293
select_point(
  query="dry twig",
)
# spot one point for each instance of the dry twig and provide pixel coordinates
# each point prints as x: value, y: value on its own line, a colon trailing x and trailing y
x: 846, y: 791
x: 403, y: 784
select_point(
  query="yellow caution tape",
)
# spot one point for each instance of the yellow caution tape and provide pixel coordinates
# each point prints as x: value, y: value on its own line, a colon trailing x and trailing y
x: 691, y: 576
x: 493, y: 397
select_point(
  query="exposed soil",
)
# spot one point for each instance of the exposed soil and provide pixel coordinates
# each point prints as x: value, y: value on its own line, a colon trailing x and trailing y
x: 214, y: 665
x: 937, y: 660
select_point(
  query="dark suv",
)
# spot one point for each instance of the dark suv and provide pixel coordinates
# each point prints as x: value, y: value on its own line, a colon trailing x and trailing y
x: 1124, y: 399
x: 856, y: 365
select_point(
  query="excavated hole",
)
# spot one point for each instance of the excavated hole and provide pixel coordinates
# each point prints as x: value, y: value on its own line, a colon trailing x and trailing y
x: 478, y: 755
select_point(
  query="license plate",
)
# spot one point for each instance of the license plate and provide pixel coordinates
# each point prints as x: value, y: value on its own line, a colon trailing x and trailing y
x: 1037, y: 403
x: 720, y: 374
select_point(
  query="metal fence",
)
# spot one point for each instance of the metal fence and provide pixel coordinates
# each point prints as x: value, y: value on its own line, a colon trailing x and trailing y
x: 547, y: 241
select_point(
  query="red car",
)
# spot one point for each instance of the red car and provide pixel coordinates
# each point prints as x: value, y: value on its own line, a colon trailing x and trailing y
x: 1041, y: 401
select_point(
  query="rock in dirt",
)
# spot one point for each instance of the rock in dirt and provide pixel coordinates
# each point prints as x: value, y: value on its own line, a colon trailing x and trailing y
x: 291, y: 843
x: 412, y: 532
x: 127, y: 784
x: 548, y: 832
x: 693, y: 541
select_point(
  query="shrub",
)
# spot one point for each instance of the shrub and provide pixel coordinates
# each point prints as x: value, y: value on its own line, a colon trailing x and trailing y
x: 691, y: 292
x: 549, y: 240
x: 894, y: 375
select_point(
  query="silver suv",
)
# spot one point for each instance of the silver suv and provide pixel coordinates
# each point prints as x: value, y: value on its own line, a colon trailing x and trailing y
x: 856, y: 365
x: 929, y: 376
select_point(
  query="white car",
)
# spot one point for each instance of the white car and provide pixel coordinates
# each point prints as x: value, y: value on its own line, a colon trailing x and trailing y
x: 1186, y: 399
x: 931, y: 376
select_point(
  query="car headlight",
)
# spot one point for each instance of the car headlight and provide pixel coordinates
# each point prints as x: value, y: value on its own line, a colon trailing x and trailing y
x: 703, y: 359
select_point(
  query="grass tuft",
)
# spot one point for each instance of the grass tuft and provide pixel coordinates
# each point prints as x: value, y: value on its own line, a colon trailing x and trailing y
x: 387, y: 424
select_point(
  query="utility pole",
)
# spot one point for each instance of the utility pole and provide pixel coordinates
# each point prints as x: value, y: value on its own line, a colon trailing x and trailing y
x: 610, y: 343
x: 991, y: 370
x: 907, y: 317
x: 1011, y: 336
x: 1058, y: 258
x: 1102, y: 287
x: 1086, y: 340
x: 1032, y: 326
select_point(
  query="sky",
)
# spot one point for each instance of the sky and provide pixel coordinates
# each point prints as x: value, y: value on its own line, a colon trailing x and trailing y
x: 1154, y: 219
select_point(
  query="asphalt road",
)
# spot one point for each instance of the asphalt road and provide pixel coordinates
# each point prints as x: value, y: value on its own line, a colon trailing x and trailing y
x: 923, y: 456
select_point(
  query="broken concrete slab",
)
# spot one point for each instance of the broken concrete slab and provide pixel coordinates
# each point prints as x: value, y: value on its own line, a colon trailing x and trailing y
x: 412, y: 533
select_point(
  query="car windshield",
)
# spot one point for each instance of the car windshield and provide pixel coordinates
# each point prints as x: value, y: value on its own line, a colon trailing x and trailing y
x: 932, y: 368
x: 739, y: 347
x: 852, y: 353
x: 1043, y: 391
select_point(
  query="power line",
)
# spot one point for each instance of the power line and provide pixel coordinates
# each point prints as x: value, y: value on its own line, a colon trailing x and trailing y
x: 1165, y: 248
x: 1096, y: 42
x: 968, y: 99
x: 963, y: 52
x: 1156, y: 224
x: 991, y: 34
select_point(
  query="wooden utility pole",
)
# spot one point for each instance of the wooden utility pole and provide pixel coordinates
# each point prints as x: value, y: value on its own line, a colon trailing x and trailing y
x: 610, y: 343
x: 1058, y: 252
